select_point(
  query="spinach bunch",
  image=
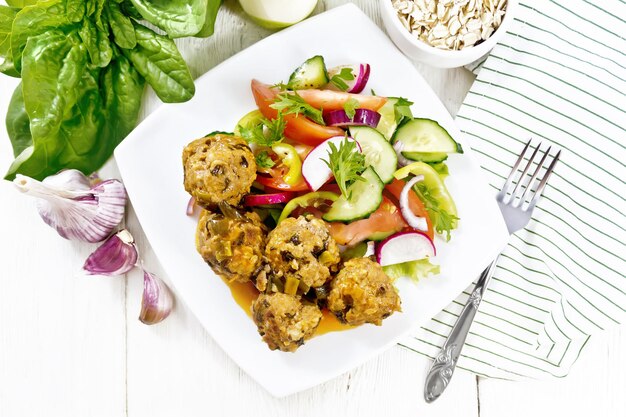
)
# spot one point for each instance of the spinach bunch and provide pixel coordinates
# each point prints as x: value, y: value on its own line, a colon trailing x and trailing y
x: 83, y: 65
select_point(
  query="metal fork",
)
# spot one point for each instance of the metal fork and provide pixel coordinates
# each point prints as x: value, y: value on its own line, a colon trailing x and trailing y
x: 516, y: 203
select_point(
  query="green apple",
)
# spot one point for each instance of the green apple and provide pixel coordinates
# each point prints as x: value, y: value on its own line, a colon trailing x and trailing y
x: 277, y: 14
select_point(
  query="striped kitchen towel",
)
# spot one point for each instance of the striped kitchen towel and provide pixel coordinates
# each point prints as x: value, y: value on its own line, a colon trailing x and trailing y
x: 559, y: 75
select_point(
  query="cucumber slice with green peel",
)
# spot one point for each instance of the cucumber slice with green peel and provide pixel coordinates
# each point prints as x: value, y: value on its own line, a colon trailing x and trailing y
x: 391, y: 115
x: 425, y: 136
x: 311, y: 74
x: 366, y: 196
x: 379, y: 154
x: 431, y: 158
x: 378, y: 236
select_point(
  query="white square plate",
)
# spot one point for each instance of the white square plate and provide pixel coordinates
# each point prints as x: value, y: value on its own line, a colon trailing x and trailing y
x: 150, y: 163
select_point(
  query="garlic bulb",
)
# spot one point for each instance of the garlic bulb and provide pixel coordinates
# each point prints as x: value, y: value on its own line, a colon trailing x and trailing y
x: 77, y: 210
x: 116, y: 256
x: 156, y: 301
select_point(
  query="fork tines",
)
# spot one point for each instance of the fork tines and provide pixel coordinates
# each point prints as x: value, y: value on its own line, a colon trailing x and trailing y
x: 528, y: 186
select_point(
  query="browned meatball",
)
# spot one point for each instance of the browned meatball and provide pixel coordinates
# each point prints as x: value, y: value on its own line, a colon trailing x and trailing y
x: 284, y: 321
x: 232, y: 244
x: 302, y: 249
x: 362, y: 293
x: 218, y: 168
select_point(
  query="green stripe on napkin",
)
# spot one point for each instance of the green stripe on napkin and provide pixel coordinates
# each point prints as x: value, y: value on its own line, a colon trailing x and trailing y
x: 559, y: 75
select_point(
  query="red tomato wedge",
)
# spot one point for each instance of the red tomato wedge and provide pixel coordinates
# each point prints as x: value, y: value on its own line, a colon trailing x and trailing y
x: 415, y: 204
x: 335, y: 100
x: 298, y: 128
x: 381, y: 223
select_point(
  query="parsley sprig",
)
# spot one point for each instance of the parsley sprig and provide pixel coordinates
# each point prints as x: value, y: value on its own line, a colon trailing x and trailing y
x: 347, y: 164
x: 339, y: 79
x: 350, y: 107
x: 266, y: 133
x: 443, y: 222
x: 293, y: 103
x: 263, y: 160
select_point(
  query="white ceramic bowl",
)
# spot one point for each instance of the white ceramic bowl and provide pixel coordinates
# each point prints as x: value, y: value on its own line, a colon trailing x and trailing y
x: 421, y: 51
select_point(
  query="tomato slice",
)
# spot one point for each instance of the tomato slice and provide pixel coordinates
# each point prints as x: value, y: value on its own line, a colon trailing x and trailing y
x: 385, y: 221
x: 298, y: 128
x: 278, y: 183
x: 415, y: 204
x: 335, y: 100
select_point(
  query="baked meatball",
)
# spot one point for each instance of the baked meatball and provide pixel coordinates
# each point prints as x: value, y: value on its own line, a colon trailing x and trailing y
x: 232, y: 244
x: 284, y: 321
x: 218, y: 168
x: 302, y: 248
x: 362, y: 293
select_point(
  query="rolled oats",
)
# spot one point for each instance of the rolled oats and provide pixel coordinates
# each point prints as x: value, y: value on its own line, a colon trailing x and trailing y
x: 451, y: 24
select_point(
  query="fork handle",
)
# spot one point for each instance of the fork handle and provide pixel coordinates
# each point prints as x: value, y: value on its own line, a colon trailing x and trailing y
x: 444, y: 364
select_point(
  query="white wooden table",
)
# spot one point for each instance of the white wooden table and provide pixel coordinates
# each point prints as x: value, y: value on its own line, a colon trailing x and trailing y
x: 71, y: 345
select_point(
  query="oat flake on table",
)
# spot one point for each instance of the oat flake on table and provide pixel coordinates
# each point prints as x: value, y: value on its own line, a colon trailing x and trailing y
x: 450, y: 24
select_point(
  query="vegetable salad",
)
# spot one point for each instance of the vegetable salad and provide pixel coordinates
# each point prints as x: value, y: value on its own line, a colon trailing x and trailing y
x: 323, y: 147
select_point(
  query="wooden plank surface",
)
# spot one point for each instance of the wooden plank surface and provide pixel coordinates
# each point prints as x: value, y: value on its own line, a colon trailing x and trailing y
x: 62, y: 334
x: 72, y: 345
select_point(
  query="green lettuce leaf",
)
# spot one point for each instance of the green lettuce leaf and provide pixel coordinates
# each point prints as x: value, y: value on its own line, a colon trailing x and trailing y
x: 415, y: 270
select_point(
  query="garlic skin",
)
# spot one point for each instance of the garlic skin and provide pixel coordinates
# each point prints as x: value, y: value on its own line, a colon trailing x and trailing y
x: 157, y: 300
x: 74, y: 208
x: 116, y: 256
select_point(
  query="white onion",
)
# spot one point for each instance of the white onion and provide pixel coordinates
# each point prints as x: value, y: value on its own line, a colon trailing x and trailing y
x: 402, y: 160
x: 414, y: 221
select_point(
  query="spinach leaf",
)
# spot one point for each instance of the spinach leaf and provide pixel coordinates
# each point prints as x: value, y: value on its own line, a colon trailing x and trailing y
x: 122, y: 88
x: 99, y: 16
x: 209, y: 21
x: 97, y: 44
x: 7, y: 16
x: 75, y: 10
x: 158, y: 60
x: 90, y: 5
x: 35, y: 20
x: 121, y: 26
x: 177, y: 18
x: 18, y: 123
x: 129, y: 10
x: 20, y: 3
x: 54, y: 69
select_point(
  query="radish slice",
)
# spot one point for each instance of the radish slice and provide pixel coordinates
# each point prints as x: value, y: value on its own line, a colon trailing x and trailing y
x: 314, y: 170
x: 362, y: 117
x: 371, y: 249
x: 263, y: 199
x: 404, y: 247
x: 414, y: 221
x: 361, y: 74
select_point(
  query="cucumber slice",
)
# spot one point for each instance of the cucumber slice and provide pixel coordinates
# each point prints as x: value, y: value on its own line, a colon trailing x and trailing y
x: 391, y: 115
x: 431, y: 158
x: 379, y: 154
x: 311, y: 74
x: 366, y: 197
x: 425, y: 136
